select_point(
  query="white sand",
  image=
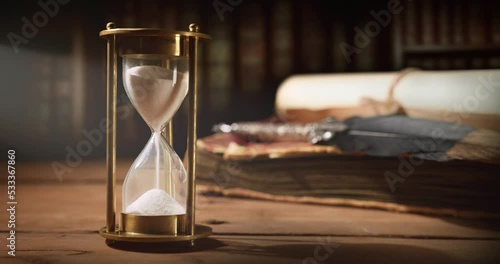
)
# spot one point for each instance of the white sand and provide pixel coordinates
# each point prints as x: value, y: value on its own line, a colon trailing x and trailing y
x: 155, y: 202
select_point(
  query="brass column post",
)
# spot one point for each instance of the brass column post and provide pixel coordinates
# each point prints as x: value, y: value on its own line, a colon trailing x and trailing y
x: 111, y: 131
x: 168, y: 134
x: 192, y: 136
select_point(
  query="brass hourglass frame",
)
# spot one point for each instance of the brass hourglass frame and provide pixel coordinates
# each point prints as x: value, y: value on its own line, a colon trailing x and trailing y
x: 141, y: 42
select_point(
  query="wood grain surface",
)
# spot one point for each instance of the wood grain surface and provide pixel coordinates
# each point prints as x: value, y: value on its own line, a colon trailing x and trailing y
x: 57, y: 222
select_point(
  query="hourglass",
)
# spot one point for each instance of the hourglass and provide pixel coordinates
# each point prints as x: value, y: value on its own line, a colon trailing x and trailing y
x: 158, y: 71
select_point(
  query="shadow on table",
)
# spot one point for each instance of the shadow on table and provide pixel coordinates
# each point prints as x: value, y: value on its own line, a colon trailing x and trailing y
x: 492, y: 225
x: 177, y: 247
x: 337, y: 253
x: 256, y: 250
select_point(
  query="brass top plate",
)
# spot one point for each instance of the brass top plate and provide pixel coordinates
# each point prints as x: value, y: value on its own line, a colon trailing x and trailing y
x: 150, y: 32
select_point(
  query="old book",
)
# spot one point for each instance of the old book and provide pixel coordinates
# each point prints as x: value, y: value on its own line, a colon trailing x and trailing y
x: 299, y: 172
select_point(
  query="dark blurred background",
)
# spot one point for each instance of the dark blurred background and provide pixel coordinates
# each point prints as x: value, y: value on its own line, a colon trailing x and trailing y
x: 53, y: 88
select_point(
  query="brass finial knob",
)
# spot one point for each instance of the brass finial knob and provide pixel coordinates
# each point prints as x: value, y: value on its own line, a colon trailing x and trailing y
x: 110, y: 25
x: 194, y: 27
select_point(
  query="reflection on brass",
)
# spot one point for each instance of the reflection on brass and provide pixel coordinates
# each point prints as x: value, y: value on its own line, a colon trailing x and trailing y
x: 157, y: 46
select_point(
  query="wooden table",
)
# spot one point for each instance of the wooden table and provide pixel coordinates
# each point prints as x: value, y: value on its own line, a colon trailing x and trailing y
x: 57, y: 222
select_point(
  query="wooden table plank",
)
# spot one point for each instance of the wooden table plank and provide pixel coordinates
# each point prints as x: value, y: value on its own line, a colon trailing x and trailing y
x: 81, y: 208
x: 57, y: 223
x: 90, y: 248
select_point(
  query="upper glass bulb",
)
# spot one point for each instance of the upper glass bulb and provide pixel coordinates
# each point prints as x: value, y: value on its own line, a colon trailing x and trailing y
x: 155, y: 90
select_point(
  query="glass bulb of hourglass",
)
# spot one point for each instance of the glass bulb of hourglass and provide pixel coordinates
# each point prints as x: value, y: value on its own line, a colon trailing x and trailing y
x: 156, y: 181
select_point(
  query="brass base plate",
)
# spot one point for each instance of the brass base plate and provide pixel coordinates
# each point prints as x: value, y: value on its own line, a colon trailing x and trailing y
x: 201, y: 231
